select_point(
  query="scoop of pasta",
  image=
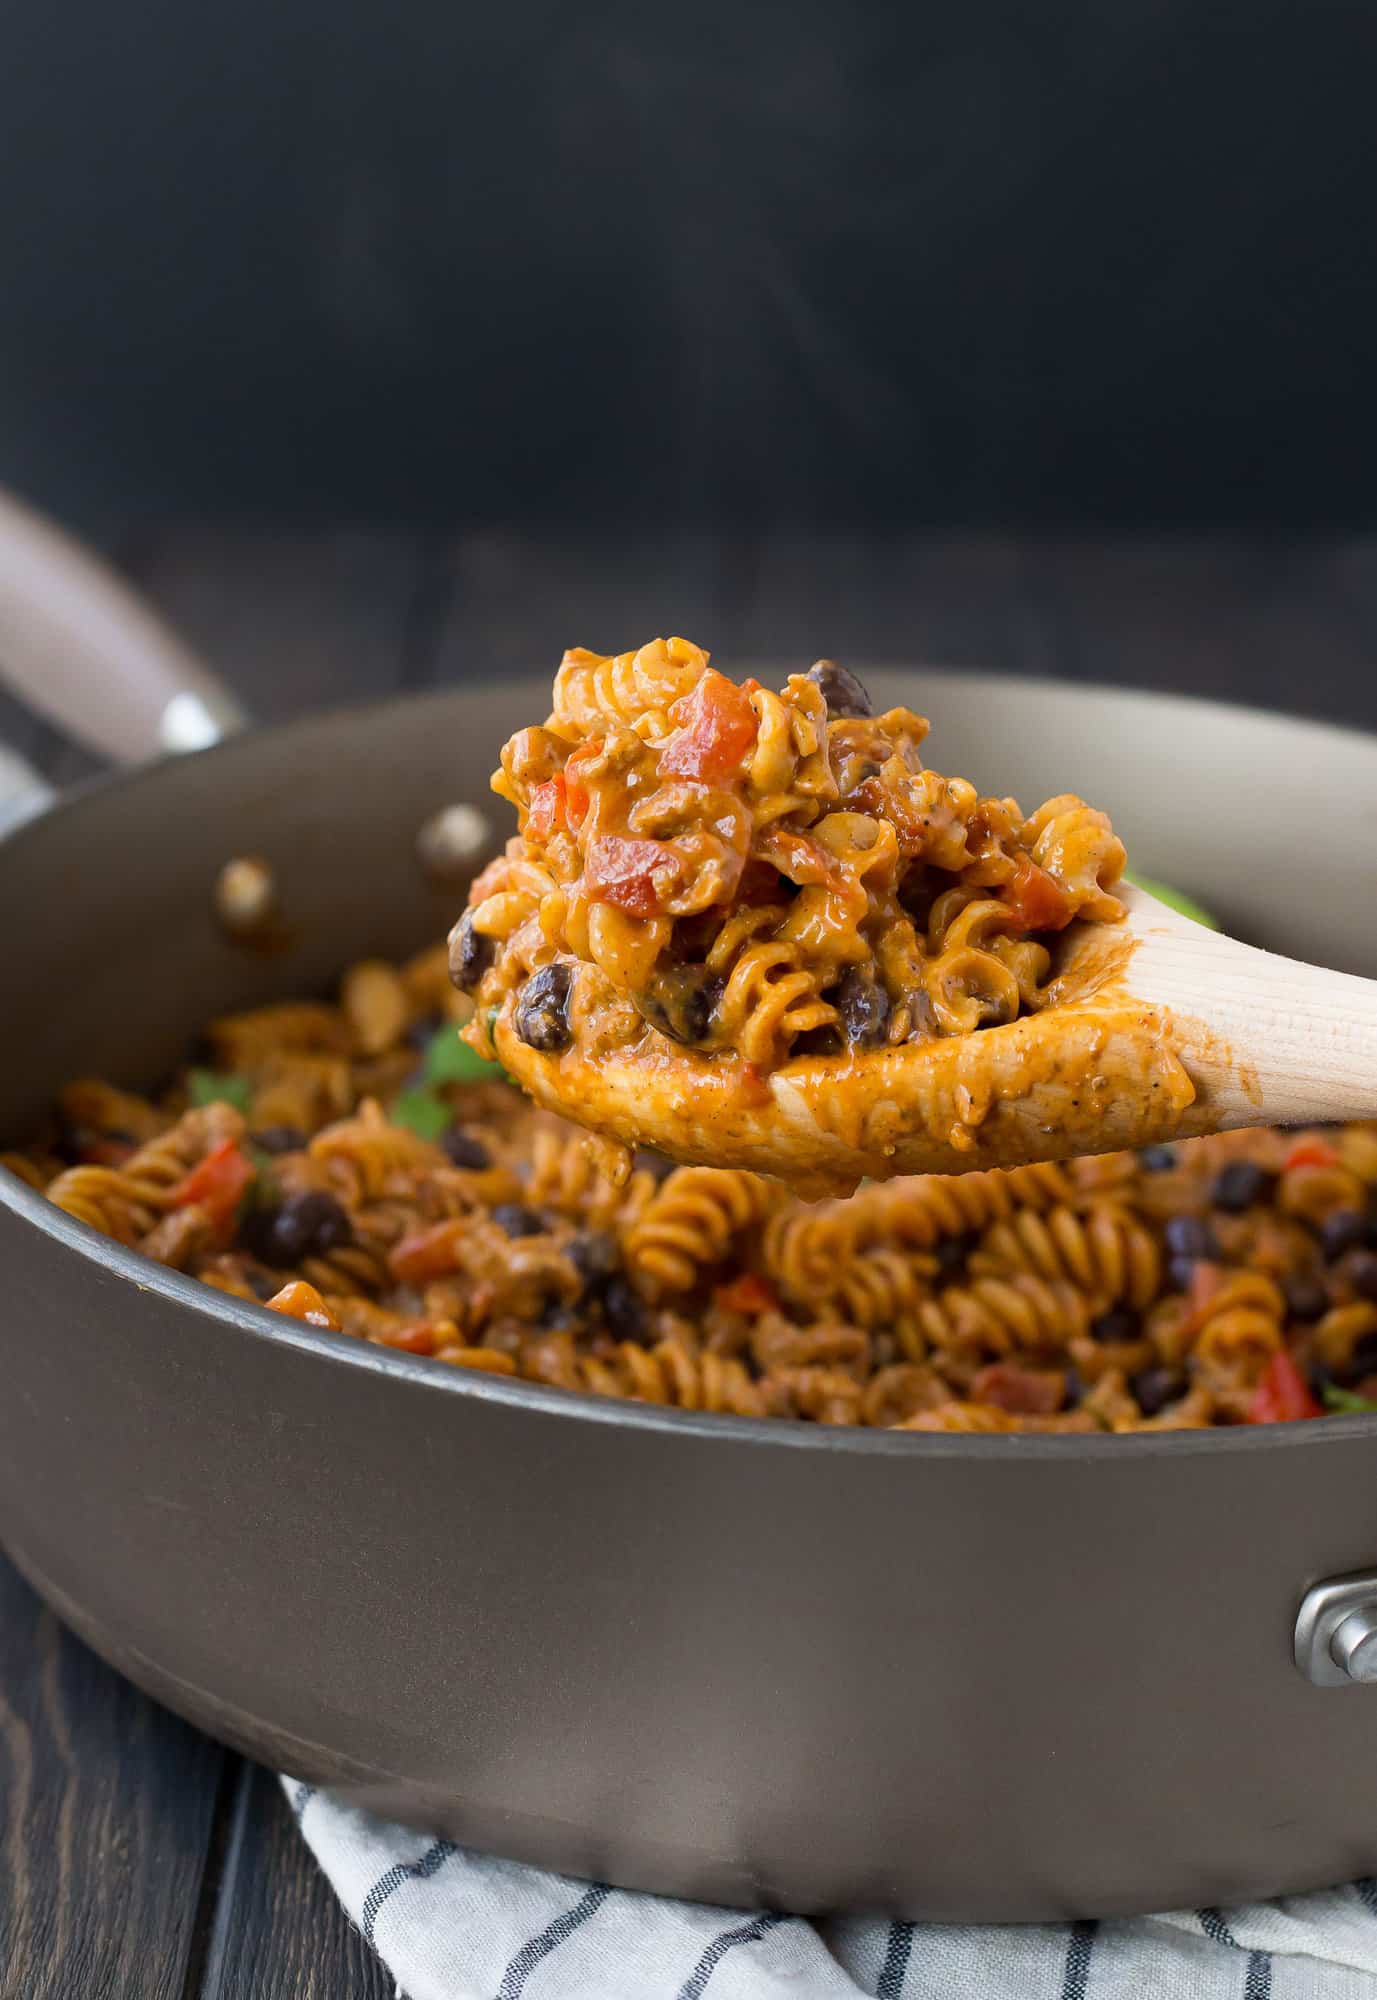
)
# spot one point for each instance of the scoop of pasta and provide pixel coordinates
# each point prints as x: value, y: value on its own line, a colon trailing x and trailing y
x: 752, y: 928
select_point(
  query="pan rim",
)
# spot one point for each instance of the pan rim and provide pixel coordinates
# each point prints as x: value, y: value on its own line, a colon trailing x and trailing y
x: 221, y: 1309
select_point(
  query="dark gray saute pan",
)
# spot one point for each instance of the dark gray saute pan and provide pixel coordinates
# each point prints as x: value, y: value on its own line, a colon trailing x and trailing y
x: 940, y: 1676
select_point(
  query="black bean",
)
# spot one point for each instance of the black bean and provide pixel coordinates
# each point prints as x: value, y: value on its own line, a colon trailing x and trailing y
x: 1180, y: 1271
x: 1306, y: 1298
x: 825, y: 1041
x: 593, y: 1255
x: 645, y: 1161
x: 952, y: 1252
x: 1190, y: 1236
x: 1157, y: 1159
x: 625, y: 1315
x: 278, y: 1139
x: 1242, y: 1184
x: 463, y: 1150
x: 542, y: 1009
x: 1341, y: 1231
x: 305, y: 1225
x: 864, y: 1008
x: 1154, y: 1388
x: 680, y: 1002
x: 841, y: 690
x: 556, y: 1317
x: 1362, y: 1361
x: 923, y: 1016
x: 1075, y: 1387
x: 1119, y: 1323
x: 1361, y: 1272
x: 470, y: 954
x: 423, y: 1031
x: 513, y: 1218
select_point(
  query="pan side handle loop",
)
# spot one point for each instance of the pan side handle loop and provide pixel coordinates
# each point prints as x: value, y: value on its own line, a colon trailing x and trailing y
x: 83, y: 649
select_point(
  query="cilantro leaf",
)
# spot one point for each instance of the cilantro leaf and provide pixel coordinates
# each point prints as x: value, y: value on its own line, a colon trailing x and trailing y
x: 207, y: 1086
x: 421, y: 1111
x: 450, y: 1060
x: 1346, y: 1402
x: 1175, y: 899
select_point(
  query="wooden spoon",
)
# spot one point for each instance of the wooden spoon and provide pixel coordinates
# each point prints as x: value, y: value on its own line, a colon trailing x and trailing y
x: 1160, y: 1029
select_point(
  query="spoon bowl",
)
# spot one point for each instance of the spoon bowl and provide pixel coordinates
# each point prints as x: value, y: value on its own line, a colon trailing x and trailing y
x: 1157, y: 1029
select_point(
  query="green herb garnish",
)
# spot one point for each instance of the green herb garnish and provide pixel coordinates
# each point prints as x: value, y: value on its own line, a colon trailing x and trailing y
x: 421, y: 1112
x: 1174, y: 899
x: 208, y: 1086
x: 450, y: 1060
x: 1345, y: 1402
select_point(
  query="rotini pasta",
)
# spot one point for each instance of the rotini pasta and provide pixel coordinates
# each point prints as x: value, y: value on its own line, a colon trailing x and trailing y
x: 760, y: 875
x: 419, y: 1204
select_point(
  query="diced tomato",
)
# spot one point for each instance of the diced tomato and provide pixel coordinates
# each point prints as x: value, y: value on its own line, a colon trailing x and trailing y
x: 1283, y: 1395
x: 218, y: 1184
x: 1025, y: 1392
x: 620, y: 871
x: 746, y: 1294
x: 1310, y: 1152
x: 416, y: 1337
x: 1039, y: 902
x: 716, y: 729
x: 546, y: 814
x: 427, y: 1253
x: 575, y: 791
x: 298, y: 1300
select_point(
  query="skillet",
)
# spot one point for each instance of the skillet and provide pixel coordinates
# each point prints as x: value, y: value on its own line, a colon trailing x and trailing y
x: 940, y: 1676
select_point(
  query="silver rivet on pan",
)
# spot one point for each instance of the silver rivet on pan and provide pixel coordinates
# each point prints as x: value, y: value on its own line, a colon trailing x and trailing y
x: 451, y: 840
x: 1336, y: 1631
x: 1353, y: 1647
x: 245, y: 895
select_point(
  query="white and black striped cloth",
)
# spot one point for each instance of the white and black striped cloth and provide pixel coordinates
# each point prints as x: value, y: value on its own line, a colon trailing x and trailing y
x: 453, y: 1925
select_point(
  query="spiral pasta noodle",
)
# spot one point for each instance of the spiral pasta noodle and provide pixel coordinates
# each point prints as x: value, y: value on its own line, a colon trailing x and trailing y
x: 690, y: 1225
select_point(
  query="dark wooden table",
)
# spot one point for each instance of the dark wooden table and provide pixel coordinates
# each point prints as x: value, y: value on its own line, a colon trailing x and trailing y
x: 139, y: 1860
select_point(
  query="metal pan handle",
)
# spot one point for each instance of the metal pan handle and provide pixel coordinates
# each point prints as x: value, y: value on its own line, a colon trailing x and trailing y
x: 83, y: 649
x: 22, y: 792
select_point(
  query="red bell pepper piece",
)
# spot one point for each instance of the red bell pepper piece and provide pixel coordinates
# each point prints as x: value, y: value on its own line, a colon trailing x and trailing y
x: 427, y: 1253
x: 546, y: 813
x: 1283, y: 1394
x: 620, y: 871
x: 1310, y: 1152
x: 416, y: 1337
x: 1024, y: 1392
x: 1036, y: 899
x: 298, y: 1300
x: 748, y: 1294
x: 217, y: 1184
x: 717, y: 727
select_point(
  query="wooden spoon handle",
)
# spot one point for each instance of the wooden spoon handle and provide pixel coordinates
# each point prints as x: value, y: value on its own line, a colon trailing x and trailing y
x: 1267, y: 1039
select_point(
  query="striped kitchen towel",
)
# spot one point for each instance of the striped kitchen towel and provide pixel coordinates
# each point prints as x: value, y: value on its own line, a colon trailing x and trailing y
x: 453, y: 1925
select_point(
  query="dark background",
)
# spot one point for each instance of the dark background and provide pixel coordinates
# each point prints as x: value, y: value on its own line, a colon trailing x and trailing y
x: 782, y: 265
